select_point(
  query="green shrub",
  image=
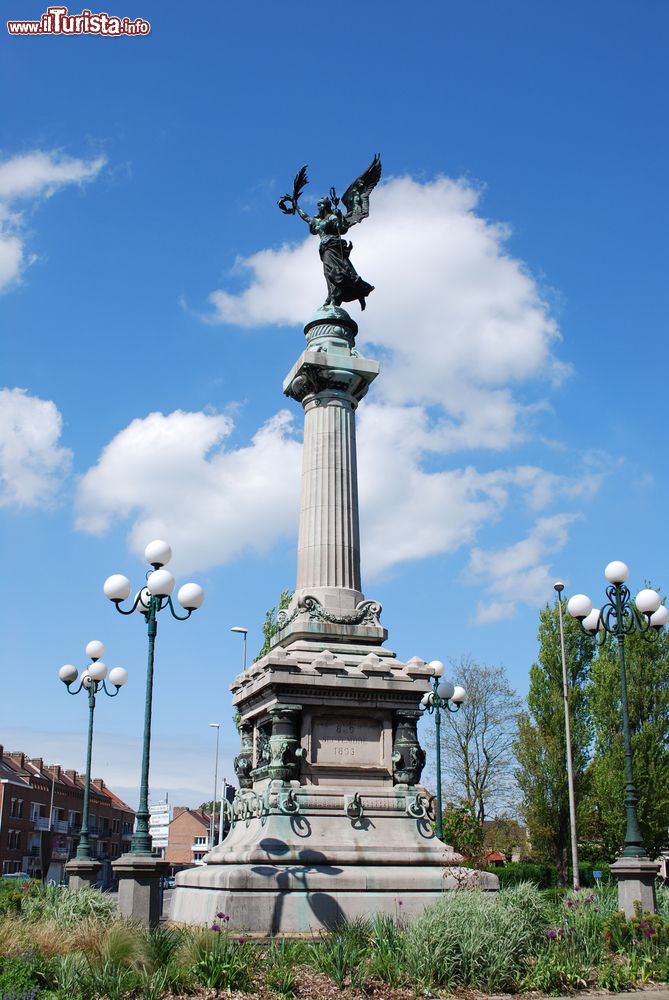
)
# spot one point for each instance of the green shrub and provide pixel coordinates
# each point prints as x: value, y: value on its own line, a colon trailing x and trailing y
x: 23, y: 975
x: 66, y: 908
x: 341, y: 953
x: 110, y: 981
x: 556, y: 970
x: 586, y: 875
x: 662, y: 892
x: 218, y: 961
x: 387, y: 953
x: 543, y: 876
x: 13, y: 894
x: 644, y: 933
x: 70, y: 972
x: 476, y: 939
x: 281, y: 958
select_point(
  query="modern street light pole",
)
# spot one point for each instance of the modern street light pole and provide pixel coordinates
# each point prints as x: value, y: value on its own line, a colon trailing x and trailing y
x: 244, y: 632
x: 559, y: 587
x: 149, y: 601
x: 212, y: 825
x: 443, y: 695
x: 221, y: 812
x: 620, y: 617
x: 92, y: 680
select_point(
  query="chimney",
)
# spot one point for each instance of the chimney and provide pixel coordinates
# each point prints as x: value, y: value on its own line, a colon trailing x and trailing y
x: 37, y: 762
x: 54, y: 770
x: 178, y: 810
x: 72, y: 775
x: 2, y: 751
x: 99, y: 783
x: 18, y: 758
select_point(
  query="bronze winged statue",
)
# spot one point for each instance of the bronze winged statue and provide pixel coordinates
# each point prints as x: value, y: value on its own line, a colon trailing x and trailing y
x: 343, y: 281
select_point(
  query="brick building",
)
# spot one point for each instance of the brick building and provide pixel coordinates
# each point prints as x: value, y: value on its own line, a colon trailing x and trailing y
x: 188, y: 838
x: 35, y: 798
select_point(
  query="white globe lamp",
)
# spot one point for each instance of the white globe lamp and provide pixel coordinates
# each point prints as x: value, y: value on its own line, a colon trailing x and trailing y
x: 158, y: 553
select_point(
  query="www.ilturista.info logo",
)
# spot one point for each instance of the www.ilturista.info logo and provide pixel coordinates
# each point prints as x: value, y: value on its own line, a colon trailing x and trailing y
x: 57, y: 21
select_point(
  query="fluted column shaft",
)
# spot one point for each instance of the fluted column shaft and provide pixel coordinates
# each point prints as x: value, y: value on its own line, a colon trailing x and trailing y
x: 329, y: 537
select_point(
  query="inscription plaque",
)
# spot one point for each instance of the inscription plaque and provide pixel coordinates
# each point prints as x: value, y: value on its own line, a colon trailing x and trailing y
x: 346, y: 741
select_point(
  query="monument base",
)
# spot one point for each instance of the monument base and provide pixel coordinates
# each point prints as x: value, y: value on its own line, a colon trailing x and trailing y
x: 83, y: 873
x: 299, y: 859
x: 139, y: 886
x: 303, y: 899
x: 636, y: 883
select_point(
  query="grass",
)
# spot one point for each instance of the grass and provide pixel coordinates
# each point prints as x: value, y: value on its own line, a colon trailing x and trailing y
x: 61, y: 946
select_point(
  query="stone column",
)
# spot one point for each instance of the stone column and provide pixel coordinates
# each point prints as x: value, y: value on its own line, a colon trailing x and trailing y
x: 328, y: 553
x: 329, y: 380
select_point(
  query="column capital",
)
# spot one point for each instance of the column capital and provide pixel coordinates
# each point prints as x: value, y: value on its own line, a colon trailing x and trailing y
x: 316, y: 372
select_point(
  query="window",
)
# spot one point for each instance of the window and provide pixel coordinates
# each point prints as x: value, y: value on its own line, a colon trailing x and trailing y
x: 9, y: 867
x: 200, y: 840
x: 16, y: 808
x: 14, y: 840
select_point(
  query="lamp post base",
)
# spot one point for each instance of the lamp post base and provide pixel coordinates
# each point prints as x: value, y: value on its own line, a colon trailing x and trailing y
x: 139, y: 886
x: 83, y: 873
x: 636, y: 883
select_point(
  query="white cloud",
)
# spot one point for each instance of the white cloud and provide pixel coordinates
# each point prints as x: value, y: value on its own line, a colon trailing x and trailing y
x: 173, y: 476
x: 459, y: 320
x: 519, y: 573
x: 32, y: 464
x: 32, y: 176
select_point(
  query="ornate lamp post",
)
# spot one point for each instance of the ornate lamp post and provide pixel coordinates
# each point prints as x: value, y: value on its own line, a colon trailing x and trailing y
x: 444, y: 696
x: 620, y: 617
x: 83, y: 869
x: 140, y: 899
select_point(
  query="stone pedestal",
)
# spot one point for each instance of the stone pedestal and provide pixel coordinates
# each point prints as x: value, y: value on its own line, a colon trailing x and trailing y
x: 139, y: 886
x: 331, y: 820
x: 83, y: 873
x: 636, y: 883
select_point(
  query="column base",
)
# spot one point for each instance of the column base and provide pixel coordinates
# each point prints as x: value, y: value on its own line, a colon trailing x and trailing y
x: 636, y: 883
x: 139, y: 886
x: 83, y: 873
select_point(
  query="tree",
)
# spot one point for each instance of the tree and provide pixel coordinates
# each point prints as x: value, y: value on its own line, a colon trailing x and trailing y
x: 541, y: 744
x: 506, y: 835
x: 477, y: 740
x: 269, y: 627
x: 462, y: 831
x: 647, y: 670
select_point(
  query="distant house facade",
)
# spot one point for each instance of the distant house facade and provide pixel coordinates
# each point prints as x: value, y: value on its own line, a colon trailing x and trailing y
x: 188, y: 840
x: 38, y: 799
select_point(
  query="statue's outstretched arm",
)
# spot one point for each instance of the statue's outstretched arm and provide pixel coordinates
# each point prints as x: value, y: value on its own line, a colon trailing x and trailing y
x: 303, y: 215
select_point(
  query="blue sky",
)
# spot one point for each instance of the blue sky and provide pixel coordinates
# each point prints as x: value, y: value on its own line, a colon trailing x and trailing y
x: 517, y: 245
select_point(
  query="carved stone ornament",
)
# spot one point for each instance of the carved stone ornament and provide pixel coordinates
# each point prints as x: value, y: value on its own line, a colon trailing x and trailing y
x: 314, y: 379
x: 263, y: 753
x: 244, y: 759
x: 365, y: 613
x: 285, y: 751
x: 408, y: 755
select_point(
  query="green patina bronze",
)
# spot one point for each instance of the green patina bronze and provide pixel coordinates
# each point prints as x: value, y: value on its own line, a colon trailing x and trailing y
x: 344, y: 284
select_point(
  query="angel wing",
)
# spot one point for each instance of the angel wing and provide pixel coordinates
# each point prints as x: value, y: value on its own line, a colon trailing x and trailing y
x: 356, y: 196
